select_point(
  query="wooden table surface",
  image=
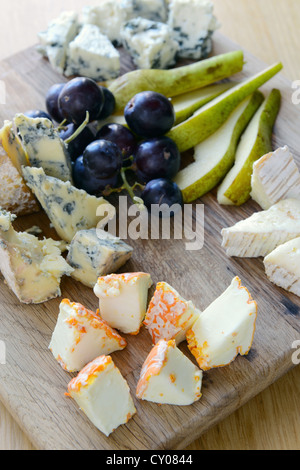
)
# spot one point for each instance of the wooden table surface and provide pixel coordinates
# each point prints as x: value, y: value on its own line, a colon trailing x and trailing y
x: 268, y: 29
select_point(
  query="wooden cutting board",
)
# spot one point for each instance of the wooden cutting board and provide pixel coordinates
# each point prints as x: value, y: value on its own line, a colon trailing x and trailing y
x: 33, y: 385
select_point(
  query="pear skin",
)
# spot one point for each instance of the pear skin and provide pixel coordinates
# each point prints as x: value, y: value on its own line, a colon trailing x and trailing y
x: 215, y: 156
x: 255, y: 142
x: 210, y: 117
x: 176, y: 81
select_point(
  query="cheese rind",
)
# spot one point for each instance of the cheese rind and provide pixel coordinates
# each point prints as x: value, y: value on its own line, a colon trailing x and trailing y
x: 94, y: 253
x: 91, y: 54
x: 80, y: 335
x: 169, y: 377
x: 283, y: 266
x: 68, y: 208
x: 43, y: 146
x: 275, y: 177
x: 13, y: 146
x: 263, y: 231
x: 123, y: 300
x: 150, y: 43
x: 103, y: 394
x: 169, y: 316
x: 32, y: 268
x: 225, y: 329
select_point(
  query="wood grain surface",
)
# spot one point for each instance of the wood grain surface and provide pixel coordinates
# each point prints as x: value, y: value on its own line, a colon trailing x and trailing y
x: 271, y: 419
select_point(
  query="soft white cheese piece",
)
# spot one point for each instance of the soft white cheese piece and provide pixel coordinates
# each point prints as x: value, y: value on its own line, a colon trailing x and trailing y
x: 283, y: 266
x: 263, y: 231
x: 169, y: 377
x: 150, y: 43
x: 103, y: 394
x: 54, y: 41
x: 80, y: 335
x: 225, y: 329
x: 94, y: 253
x: 275, y: 177
x: 123, y: 300
x: 169, y: 316
x: 32, y: 268
x: 68, y: 208
x: 91, y: 54
x: 193, y: 24
x: 44, y: 147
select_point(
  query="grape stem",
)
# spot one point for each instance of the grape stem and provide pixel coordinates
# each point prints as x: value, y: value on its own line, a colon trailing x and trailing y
x: 79, y: 129
x: 130, y: 189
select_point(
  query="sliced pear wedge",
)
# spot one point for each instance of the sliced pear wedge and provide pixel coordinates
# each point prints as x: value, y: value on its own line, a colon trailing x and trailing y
x: 255, y: 142
x: 215, y: 156
x: 210, y: 117
x: 186, y: 104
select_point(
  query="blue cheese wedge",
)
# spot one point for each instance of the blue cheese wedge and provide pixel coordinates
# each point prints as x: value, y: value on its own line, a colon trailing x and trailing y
x: 94, y: 253
x: 32, y: 268
x: 56, y: 38
x: 150, y: 43
x: 68, y: 208
x: 193, y: 24
x: 80, y: 335
x: 91, y: 54
x: 283, y: 266
x: 43, y: 146
x: 155, y: 10
x: 275, y: 177
x: 263, y: 231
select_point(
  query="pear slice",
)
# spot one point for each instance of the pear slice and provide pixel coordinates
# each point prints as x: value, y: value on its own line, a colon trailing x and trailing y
x: 255, y: 142
x: 215, y: 156
x: 176, y: 81
x: 186, y: 104
x: 210, y: 117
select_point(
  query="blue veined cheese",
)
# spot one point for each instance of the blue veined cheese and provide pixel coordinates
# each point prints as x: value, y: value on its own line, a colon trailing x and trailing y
x: 193, y: 24
x: 92, y: 55
x: 32, y: 268
x: 155, y: 10
x: 43, y: 146
x: 94, y: 253
x: 68, y: 208
x: 150, y: 43
x: 54, y: 41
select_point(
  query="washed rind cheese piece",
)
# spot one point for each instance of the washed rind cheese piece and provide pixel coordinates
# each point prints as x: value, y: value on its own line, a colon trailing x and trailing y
x: 54, y: 41
x: 68, y: 208
x: 150, y: 43
x: 91, y: 54
x: 123, y: 300
x: 169, y: 377
x: 15, y: 196
x: 262, y: 232
x: 193, y: 24
x: 32, y: 268
x: 43, y: 146
x: 275, y: 177
x: 80, y: 335
x: 225, y: 329
x: 94, y: 253
x: 283, y: 266
x: 169, y: 316
x: 103, y: 394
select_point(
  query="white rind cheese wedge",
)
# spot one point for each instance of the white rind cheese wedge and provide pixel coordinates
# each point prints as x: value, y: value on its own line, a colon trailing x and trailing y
x: 283, y: 266
x: 80, y: 335
x: 263, y: 231
x: 103, y: 394
x: 225, y: 329
x: 169, y: 377
x: 43, y: 146
x: 32, y: 268
x: 275, y: 177
x: 94, y: 253
x: 169, y: 316
x: 123, y: 300
x: 68, y: 208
